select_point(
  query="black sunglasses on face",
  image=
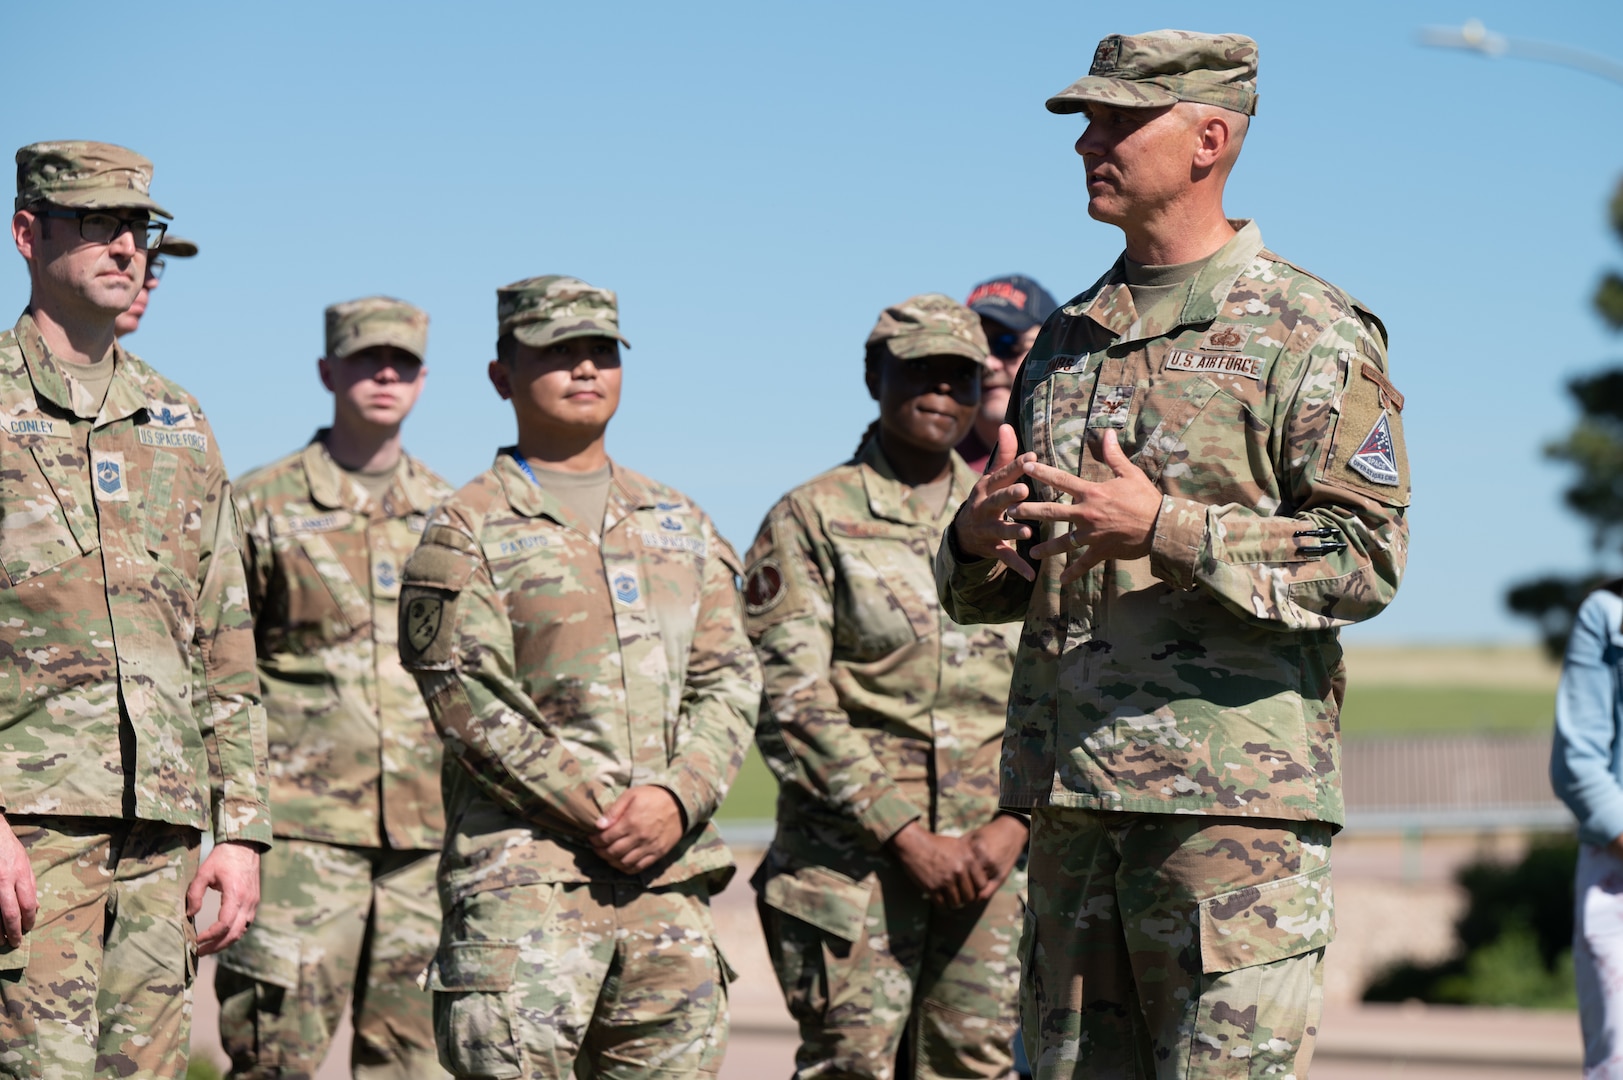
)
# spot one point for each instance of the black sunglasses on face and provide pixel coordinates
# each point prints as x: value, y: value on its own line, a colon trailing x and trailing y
x: 1004, y: 346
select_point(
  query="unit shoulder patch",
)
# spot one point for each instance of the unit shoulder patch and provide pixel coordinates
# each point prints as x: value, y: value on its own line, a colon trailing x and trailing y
x: 764, y: 587
x: 1367, y: 452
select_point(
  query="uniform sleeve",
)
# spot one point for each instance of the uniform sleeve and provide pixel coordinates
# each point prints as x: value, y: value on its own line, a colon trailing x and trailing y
x: 231, y: 717
x: 257, y: 559
x: 1336, y: 552
x: 1586, y: 717
x: 457, y: 641
x: 804, y: 734
x: 722, y: 693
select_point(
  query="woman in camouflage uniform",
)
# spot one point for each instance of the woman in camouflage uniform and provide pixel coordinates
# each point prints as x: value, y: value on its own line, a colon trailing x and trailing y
x: 891, y: 895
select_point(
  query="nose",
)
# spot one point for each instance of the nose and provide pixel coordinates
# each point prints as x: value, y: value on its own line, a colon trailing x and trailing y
x: 124, y: 242
x: 386, y: 373
x: 1089, y: 143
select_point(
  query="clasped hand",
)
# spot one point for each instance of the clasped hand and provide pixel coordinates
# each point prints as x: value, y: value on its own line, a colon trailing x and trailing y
x: 955, y: 871
x: 639, y: 828
x: 1110, y: 519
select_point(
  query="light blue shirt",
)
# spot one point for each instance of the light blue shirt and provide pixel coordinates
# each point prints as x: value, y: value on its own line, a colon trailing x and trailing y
x: 1586, y: 760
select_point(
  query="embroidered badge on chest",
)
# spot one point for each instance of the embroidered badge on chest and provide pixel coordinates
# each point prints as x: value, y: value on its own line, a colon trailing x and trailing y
x: 1375, y: 460
x: 1226, y: 338
x: 625, y: 588
x: 1111, y: 405
x: 107, y: 472
x: 1246, y: 367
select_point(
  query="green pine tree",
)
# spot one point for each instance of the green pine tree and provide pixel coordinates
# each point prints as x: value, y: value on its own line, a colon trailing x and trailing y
x: 1595, y: 448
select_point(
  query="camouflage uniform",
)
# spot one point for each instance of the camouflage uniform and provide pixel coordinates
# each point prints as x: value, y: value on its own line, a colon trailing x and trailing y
x: 1205, y: 679
x: 565, y: 661
x: 127, y: 695
x: 880, y: 711
x: 354, y: 760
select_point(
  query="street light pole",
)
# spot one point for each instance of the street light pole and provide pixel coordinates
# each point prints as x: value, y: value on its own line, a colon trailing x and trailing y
x: 1474, y: 37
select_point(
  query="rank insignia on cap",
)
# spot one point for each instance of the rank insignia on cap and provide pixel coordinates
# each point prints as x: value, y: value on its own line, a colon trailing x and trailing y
x: 625, y: 588
x: 108, y: 469
x: 763, y: 587
x: 423, y: 617
x: 1374, y: 459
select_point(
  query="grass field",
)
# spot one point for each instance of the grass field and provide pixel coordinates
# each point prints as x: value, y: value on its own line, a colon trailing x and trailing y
x: 1393, y: 692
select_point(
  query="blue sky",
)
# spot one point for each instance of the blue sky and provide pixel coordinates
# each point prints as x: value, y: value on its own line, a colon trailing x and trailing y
x: 758, y: 180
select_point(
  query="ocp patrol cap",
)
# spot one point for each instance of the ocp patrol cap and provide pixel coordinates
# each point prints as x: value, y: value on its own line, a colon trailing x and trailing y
x: 376, y: 320
x: 541, y: 311
x: 931, y: 325
x: 85, y: 176
x: 1164, y: 67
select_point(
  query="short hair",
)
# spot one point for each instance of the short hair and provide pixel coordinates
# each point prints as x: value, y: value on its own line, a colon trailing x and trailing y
x: 506, y: 348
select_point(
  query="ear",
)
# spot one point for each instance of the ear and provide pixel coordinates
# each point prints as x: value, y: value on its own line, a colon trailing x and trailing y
x: 324, y: 369
x: 501, y: 379
x: 1212, y: 139
x: 22, y: 233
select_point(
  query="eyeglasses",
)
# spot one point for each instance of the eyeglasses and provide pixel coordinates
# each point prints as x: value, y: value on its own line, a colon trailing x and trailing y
x: 97, y: 227
x: 155, y: 265
x: 1005, y: 346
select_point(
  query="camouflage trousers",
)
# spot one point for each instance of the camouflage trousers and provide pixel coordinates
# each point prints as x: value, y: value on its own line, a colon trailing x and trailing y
x: 102, y: 986
x: 335, y: 924
x: 869, y: 967
x: 1162, y: 945
x: 607, y: 980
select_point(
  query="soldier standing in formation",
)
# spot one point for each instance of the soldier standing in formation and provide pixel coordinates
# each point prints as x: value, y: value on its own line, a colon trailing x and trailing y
x: 576, y: 630
x: 349, y: 904
x: 891, y: 895
x: 1217, y: 465
x: 121, y: 598
x: 1012, y: 309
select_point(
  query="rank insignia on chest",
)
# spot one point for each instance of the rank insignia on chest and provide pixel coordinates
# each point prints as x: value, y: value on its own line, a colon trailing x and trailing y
x: 108, y: 471
x: 625, y: 588
x: 422, y: 620
x: 1375, y: 459
x: 386, y: 574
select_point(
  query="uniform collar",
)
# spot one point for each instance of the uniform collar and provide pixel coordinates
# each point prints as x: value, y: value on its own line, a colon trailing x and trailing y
x: 890, y: 500
x: 332, y: 489
x: 1112, y: 305
x: 628, y: 493
x: 126, y: 394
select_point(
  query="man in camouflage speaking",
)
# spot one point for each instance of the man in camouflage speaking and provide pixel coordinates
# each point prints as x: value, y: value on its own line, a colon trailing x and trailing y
x: 128, y: 714
x: 1209, y: 451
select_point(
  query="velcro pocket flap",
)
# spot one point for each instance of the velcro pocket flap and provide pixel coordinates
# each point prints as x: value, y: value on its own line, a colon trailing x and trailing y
x: 474, y: 966
x: 267, y: 956
x: 828, y: 900
x: 14, y: 959
x: 1263, y: 923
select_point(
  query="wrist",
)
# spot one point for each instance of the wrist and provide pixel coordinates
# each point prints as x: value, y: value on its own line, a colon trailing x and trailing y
x: 959, y: 554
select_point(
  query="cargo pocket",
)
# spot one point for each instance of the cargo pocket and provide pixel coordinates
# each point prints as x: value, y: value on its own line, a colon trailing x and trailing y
x: 473, y: 1013
x: 13, y: 959
x: 813, y: 948
x: 1261, y: 952
x: 267, y: 956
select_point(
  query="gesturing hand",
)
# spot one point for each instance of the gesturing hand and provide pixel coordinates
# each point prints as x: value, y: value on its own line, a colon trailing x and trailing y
x: 232, y: 869
x: 639, y: 828
x: 981, y: 526
x: 1112, y: 519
